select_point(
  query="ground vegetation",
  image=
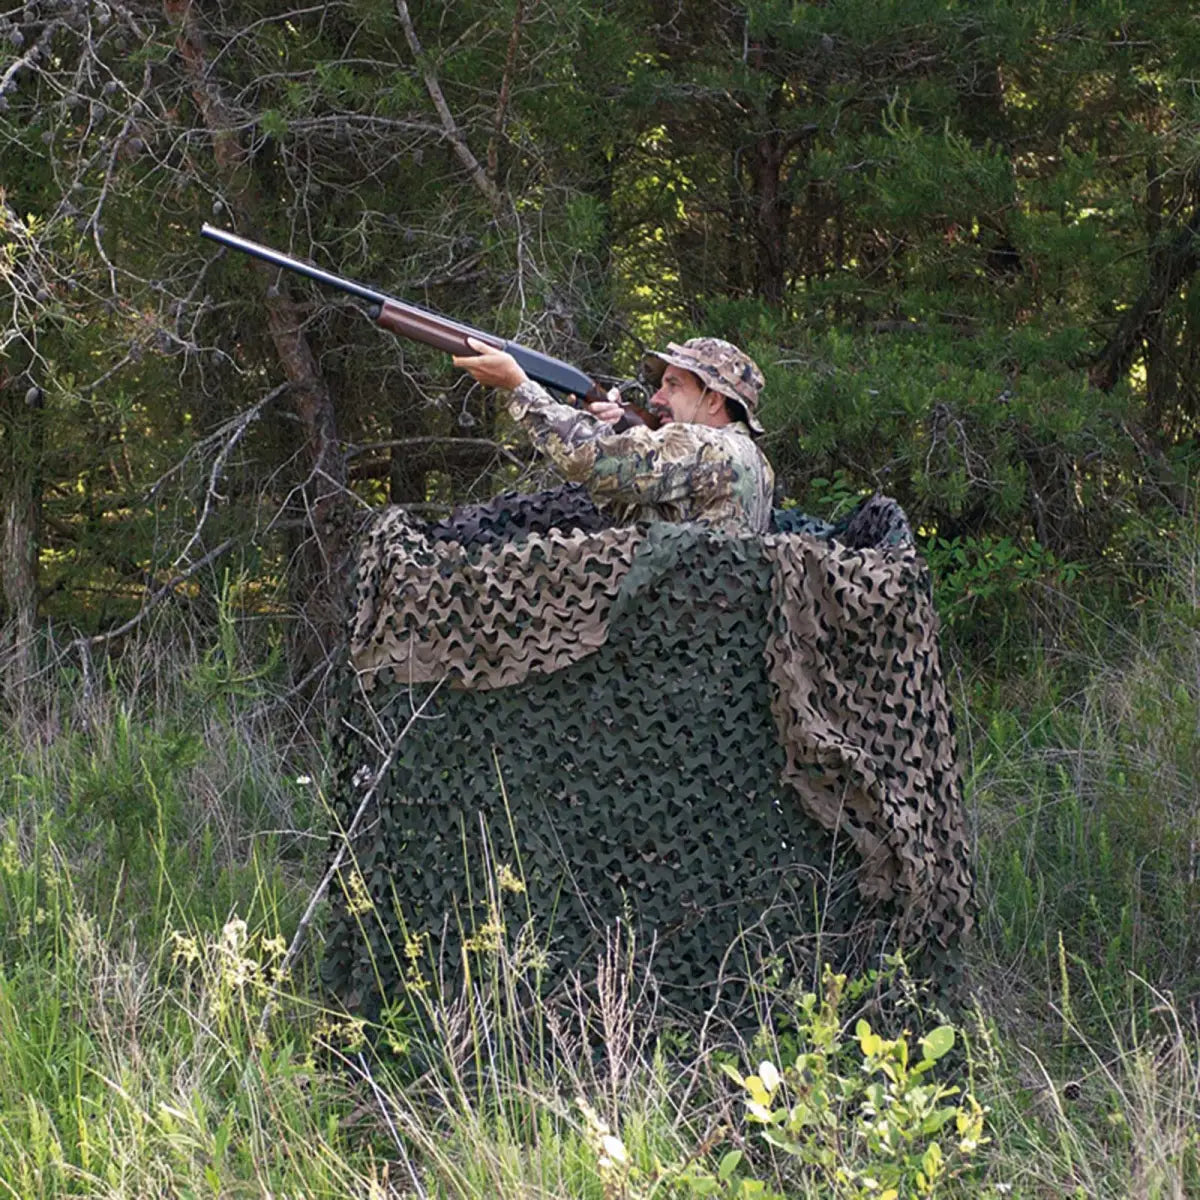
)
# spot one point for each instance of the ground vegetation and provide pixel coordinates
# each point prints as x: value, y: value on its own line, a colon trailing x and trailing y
x: 960, y: 238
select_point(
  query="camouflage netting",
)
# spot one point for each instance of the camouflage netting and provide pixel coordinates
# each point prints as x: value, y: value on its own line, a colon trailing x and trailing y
x: 727, y: 742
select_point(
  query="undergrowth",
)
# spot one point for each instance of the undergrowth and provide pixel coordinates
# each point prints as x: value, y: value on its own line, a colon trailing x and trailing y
x: 160, y: 838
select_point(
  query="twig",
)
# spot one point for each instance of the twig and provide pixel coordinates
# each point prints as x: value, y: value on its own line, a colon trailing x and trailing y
x: 240, y: 425
x: 25, y: 62
x: 432, y: 440
x: 449, y: 127
x: 306, y: 919
x: 450, y: 443
x: 198, y: 448
x: 382, y: 1101
x: 160, y: 595
x: 510, y: 64
x: 93, y: 222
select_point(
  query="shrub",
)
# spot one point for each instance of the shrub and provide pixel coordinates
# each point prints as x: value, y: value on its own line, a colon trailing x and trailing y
x: 861, y: 1116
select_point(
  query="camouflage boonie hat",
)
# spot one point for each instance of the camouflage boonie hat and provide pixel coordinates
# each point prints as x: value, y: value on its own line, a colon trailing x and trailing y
x: 719, y: 365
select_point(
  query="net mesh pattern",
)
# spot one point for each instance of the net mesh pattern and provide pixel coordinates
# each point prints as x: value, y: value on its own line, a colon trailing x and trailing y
x: 739, y: 746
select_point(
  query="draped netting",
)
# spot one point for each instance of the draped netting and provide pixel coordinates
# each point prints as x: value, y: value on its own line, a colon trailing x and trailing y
x: 725, y: 742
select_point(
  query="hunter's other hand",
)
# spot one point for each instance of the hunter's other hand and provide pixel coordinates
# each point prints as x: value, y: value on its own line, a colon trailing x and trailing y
x: 610, y: 411
x: 495, y: 368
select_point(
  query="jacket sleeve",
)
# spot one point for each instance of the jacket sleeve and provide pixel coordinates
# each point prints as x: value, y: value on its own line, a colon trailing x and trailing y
x: 639, y: 465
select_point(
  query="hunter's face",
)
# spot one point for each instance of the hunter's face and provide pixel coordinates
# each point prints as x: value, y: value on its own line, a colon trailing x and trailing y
x: 680, y: 394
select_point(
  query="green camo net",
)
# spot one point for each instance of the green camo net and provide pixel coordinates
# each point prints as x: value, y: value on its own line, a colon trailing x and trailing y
x: 740, y: 747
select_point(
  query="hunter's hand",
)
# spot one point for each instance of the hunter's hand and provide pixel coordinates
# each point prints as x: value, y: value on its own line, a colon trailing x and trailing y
x: 495, y: 368
x: 609, y: 411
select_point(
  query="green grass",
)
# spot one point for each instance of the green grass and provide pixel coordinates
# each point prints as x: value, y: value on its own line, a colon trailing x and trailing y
x: 158, y: 844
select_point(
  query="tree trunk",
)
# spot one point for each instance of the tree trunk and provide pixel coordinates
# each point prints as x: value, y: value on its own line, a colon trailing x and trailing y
x: 773, y: 212
x: 318, y: 574
x: 22, y: 417
x: 1162, y: 380
x: 1171, y: 264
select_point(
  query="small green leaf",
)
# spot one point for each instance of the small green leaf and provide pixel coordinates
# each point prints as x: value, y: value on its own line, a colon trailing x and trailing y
x: 937, y: 1042
x: 273, y: 123
x: 871, y: 1043
x: 729, y: 1164
x: 733, y: 1074
x: 934, y: 1122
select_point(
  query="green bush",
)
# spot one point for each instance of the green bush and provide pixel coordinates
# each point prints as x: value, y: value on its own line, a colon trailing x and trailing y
x: 860, y: 1116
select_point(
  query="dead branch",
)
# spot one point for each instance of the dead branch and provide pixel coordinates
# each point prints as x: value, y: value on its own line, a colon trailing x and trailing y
x: 346, y: 838
x: 450, y: 128
x: 154, y: 600
x: 510, y: 65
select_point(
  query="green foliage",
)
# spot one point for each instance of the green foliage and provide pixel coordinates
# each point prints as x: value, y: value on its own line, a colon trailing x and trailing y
x: 1083, y: 776
x: 982, y: 589
x: 149, y: 790
x: 984, y: 444
x: 925, y: 219
x: 866, y: 1121
x: 134, y: 1057
x: 223, y: 672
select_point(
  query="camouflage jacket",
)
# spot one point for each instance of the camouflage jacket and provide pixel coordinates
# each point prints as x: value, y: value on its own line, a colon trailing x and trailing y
x: 681, y: 472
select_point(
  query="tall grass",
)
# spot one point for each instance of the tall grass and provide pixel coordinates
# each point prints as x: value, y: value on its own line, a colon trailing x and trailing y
x: 162, y: 828
x: 1088, y: 825
x: 1083, y: 778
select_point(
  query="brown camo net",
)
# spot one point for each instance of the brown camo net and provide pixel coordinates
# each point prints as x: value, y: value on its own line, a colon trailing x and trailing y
x: 667, y: 725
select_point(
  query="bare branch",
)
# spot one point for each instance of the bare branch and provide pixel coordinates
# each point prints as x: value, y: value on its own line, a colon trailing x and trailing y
x: 510, y: 66
x: 415, y: 442
x: 237, y: 429
x: 346, y: 839
x: 453, y: 134
x: 153, y: 601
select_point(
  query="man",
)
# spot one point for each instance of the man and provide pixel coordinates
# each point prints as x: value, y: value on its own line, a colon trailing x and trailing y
x: 701, y: 464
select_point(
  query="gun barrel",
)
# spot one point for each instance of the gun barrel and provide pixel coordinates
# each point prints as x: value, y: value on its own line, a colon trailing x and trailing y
x: 421, y: 324
x: 279, y: 259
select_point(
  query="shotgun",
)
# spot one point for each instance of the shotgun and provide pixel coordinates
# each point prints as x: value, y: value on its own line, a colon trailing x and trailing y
x: 432, y: 329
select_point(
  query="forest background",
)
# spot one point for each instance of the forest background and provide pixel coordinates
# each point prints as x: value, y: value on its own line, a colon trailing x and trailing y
x: 962, y: 241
